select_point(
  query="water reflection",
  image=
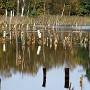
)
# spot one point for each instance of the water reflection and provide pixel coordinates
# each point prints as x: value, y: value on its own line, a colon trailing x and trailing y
x: 4, y: 47
x: 89, y: 45
x: 81, y: 80
x: 0, y: 83
x: 50, y: 52
x: 28, y: 52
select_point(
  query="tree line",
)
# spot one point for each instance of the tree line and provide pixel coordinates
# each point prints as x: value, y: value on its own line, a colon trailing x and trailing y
x: 53, y: 7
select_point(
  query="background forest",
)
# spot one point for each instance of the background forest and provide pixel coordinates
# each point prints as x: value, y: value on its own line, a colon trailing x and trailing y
x: 53, y: 7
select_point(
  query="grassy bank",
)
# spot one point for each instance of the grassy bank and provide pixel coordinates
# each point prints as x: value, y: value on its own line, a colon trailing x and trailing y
x: 47, y: 20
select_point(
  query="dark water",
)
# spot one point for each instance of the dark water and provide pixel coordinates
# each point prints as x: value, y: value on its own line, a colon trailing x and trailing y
x: 30, y: 63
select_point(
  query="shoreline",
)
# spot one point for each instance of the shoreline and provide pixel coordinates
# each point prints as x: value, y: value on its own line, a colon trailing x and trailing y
x: 56, y: 20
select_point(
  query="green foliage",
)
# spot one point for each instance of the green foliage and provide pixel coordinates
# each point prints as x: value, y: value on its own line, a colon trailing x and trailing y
x: 88, y: 73
x: 84, y: 7
x: 83, y: 11
x: 2, y: 6
x: 9, y: 5
x: 34, y: 12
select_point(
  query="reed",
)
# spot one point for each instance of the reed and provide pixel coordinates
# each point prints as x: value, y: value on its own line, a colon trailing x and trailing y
x: 48, y: 20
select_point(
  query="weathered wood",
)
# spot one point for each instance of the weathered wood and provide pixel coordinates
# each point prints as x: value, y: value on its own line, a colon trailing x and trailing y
x: 44, y: 77
x: 66, y: 78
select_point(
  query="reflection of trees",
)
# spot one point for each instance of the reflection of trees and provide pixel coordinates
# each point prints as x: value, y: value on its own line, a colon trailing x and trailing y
x: 30, y: 64
x: 88, y: 73
x: 7, y: 59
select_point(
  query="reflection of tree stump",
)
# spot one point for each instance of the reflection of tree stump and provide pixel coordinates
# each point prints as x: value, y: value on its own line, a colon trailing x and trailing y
x: 0, y: 83
x: 32, y: 38
x: 81, y: 80
x: 0, y: 80
x: 44, y: 77
x: 66, y: 77
x: 88, y: 72
x: 89, y: 48
x: 39, y: 41
x: 19, y: 58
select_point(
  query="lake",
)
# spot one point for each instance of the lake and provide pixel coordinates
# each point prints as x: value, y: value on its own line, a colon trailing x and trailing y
x: 47, y: 58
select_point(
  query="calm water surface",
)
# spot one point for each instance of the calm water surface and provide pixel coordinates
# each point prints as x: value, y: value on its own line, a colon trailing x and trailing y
x: 30, y: 63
